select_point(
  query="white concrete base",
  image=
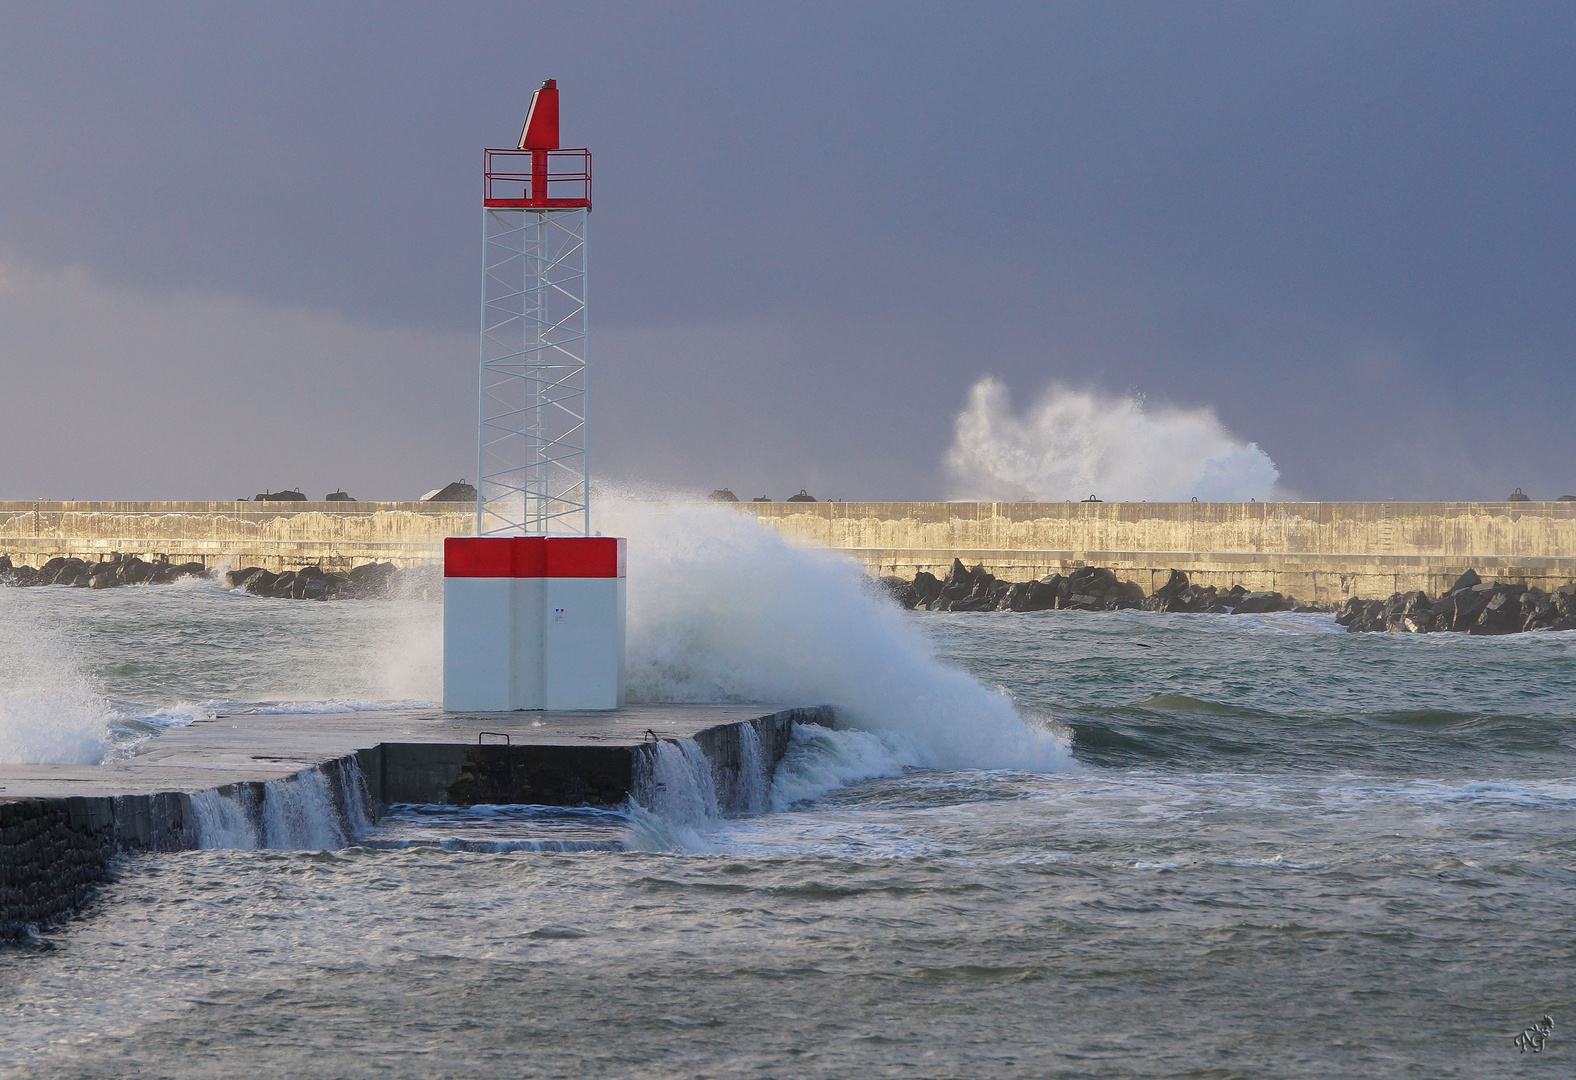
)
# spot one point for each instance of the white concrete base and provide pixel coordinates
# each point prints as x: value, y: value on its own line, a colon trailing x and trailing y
x: 533, y: 622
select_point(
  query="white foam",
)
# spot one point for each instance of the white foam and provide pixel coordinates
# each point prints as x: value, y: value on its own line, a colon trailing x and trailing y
x: 675, y: 798
x: 753, y: 789
x: 299, y: 813
x: 313, y: 810
x: 1072, y: 444
x: 820, y: 760
x: 225, y: 821
x: 723, y: 608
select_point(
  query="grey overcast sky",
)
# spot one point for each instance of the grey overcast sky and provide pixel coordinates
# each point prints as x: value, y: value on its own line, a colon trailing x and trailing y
x: 239, y: 244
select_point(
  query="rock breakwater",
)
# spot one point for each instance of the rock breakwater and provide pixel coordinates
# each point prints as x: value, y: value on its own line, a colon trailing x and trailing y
x: 368, y: 581
x: 1470, y: 606
x: 98, y: 575
x: 1089, y: 588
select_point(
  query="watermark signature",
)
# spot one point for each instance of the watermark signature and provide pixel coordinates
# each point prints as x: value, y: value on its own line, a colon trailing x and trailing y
x: 1534, y: 1037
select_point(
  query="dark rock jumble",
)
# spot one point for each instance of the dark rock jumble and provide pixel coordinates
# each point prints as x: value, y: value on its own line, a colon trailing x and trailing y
x: 1470, y: 606
x: 307, y: 583
x: 98, y: 575
x: 314, y: 583
x: 1088, y: 588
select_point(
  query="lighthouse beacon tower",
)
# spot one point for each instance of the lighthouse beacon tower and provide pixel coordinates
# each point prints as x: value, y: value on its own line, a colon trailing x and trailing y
x: 533, y: 604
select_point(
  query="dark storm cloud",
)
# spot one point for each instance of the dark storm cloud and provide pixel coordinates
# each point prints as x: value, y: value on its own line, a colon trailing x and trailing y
x: 1348, y: 228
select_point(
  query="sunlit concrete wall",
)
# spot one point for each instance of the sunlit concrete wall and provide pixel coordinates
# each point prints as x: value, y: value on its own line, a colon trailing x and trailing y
x: 277, y: 536
x: 1315, y: 551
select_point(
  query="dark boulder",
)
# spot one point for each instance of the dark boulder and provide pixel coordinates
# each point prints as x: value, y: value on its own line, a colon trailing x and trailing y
x: 959, y: 582
x: 1092, y: 581
x: 1017, y: 598
x: 133, y: 571
x: 371, y: 580
x: 1043, y: 593
x: 1349, y: 611
x: 1501, y: 615
x: 260, y: 582
x: 1174, y: 586
x: 903, y: 592
x: 1256, y: 603
x: 1537, y: 610
x: 1465, y: 607
x: 927, y: 587
x: 984, y: 585
x: 1193, y: 600
x: 1465, y: 581
x: 1363, y: 616
x: 66, y: 571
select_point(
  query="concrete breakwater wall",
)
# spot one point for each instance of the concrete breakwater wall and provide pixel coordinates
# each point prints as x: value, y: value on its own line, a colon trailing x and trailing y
x: 1321, y: 552
x: 275, y: 536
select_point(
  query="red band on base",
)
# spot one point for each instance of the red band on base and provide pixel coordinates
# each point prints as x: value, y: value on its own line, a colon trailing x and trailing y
x: 534, y: 556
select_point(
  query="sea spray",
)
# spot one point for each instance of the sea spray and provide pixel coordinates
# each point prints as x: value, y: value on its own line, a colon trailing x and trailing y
x: 1071, y: 445
x: 723, y: 608
x: 50, y: 713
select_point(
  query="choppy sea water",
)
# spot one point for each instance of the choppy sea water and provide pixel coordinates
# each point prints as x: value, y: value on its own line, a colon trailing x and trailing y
x: 1277, y: 850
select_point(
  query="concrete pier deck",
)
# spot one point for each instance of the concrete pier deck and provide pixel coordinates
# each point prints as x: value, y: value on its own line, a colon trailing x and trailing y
x: 393, y: 747
x: 62, y: 826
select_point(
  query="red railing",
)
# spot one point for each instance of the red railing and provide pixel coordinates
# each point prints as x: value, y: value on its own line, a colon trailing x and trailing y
x: 537, y: 179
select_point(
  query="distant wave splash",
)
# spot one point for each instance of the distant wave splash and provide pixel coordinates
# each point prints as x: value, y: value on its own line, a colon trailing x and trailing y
x: 1074, y: 444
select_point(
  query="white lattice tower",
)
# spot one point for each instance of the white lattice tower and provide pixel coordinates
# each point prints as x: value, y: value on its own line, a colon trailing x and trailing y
x: 532, y: 460
x: 533, y: 469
